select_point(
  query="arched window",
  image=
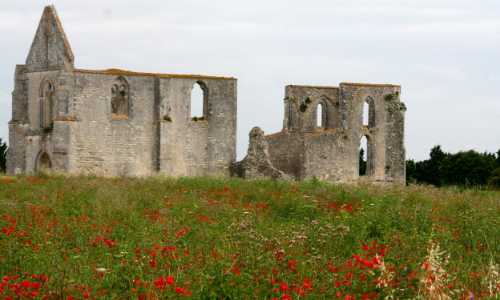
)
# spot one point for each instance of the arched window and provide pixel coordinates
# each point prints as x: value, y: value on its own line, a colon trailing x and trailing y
x: 369, y: 112
x: 120, y: 98
x: 363, y: 154
x: 44, y: 163
x: 46, y: 105
x: 366, y: 162
x: 321, y: 115
x: 199, y: 99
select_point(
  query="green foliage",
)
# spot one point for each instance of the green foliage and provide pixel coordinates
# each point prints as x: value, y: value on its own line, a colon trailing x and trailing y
x: 3, y: 156
x: 465, y: 168
x: 494, y: 180
x: 303, y: 107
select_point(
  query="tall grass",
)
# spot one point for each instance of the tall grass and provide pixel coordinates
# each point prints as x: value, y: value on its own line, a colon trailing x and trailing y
x: 233, y: 239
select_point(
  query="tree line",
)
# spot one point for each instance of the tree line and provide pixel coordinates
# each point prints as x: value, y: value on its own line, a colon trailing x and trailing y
x: 464, y: 168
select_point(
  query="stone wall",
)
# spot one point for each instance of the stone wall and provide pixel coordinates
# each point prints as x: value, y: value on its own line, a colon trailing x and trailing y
x: 115, y: 122
x: 286, y: 151
x: 329, y: 149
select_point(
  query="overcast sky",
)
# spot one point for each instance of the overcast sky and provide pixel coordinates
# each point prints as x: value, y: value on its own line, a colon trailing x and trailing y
x: 444, y: 53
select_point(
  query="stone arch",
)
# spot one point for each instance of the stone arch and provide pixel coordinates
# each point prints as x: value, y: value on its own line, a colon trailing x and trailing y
x: 47, y: 90
x: 120, y: 98
x: 369, y: 112
x: 199, y: 101
x: 43, y: 163
x: 366, y: 163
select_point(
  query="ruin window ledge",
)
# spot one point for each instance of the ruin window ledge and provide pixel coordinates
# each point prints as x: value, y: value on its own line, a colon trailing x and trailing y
x: 116, y: 117
x: 66, y: 119
x: 198, y: 119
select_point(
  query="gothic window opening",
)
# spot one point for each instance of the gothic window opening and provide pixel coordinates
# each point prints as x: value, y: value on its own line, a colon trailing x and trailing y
x: 369, y: 112
x: 366, y: 165
x: 120, y: 99
x: 199, y: 100
x: 47, y: 105
x: 321, y: 115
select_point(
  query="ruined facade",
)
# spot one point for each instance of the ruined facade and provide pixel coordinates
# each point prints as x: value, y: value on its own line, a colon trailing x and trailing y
x: 121, y: 123
x: 322, y: 132
x: 115, y: 122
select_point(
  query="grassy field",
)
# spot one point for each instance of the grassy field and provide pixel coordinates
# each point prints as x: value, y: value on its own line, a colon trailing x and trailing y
x: 157, y: 238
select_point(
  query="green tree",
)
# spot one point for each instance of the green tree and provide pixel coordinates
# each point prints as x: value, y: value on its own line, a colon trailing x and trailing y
x: 494, y: 180
x: 3, y: 155
x: 467, y: 168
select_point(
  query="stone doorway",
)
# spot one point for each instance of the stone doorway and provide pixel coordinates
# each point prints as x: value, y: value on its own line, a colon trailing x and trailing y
x: 44, y: 163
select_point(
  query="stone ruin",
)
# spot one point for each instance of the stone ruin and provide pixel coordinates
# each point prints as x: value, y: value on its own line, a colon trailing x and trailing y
x: 122, y: 123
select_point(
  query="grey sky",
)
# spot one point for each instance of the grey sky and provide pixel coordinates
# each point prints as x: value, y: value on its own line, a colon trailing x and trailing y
x: 444, y: 53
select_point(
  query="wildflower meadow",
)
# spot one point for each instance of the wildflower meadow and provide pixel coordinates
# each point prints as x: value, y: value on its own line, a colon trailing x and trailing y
x: 159, y: 238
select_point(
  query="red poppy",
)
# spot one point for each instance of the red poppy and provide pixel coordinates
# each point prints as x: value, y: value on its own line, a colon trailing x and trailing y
x: 170, y: 280
x: 181, y: 232
x: 182, y: 291
x: 284, y: 287
x: 307, y: 284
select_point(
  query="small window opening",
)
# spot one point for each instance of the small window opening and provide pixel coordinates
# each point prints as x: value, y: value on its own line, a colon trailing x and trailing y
x: 366, y: 112
x: 369, y: 112
x: 120, y: 99
x: 47, y: 105
x: 320, y: 116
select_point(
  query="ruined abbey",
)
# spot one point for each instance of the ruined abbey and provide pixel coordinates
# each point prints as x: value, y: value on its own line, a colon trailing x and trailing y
x: 121, y: 123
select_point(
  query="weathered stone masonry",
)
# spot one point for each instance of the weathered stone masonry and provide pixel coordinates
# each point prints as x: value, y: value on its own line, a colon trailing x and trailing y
x: 115, y: 122
x: 328, y: 149
x: 121, y: 123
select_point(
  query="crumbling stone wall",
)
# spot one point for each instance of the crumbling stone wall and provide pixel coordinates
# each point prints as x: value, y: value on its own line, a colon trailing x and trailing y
x: 115, y: 122
x: 329, y: 150
x: 257, y: 163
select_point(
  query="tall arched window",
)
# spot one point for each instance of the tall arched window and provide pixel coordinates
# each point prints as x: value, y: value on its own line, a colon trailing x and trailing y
x: 366, y: 158
x: 46, y: 105
x: 321, y: 115
x: 120, y: 98
x: 363, y: 154
x: 199, y: 101
x: 369, y: 112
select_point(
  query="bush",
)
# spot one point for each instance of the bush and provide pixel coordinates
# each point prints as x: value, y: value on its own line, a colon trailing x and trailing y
x: 3, y: 156
x: 494, y: 180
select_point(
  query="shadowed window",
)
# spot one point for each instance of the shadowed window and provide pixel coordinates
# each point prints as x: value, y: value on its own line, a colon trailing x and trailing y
x: 44, y: 162
x: 120, y: 98
x: 46, y: 105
